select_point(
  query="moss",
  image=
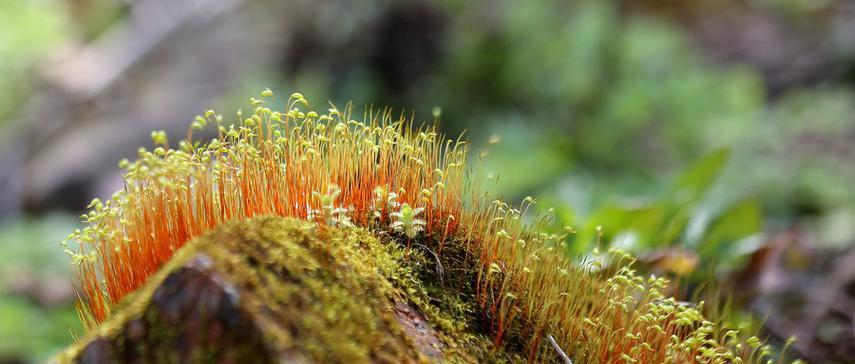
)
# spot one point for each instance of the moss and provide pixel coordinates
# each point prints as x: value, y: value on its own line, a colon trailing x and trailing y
x: 474, y: 264
x: 329, y: 295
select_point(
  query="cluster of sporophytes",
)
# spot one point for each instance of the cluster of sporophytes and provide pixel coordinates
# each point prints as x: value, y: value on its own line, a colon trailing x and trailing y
x: 408, y: 183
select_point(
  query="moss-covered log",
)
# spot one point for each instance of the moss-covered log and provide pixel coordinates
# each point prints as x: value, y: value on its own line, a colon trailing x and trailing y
x: 271, y: 290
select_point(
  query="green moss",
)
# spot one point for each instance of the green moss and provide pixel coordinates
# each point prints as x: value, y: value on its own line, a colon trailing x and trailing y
x: 329, y: 295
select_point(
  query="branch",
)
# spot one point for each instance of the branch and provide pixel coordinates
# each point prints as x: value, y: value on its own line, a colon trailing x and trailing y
x: 558, y: 349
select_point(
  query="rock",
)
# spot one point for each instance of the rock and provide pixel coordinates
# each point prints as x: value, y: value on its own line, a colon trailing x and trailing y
x: 271, y: 290
x: 193, y: 316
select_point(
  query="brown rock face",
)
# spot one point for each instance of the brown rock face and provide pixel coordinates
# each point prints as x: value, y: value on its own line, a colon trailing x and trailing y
x: 194, y: 316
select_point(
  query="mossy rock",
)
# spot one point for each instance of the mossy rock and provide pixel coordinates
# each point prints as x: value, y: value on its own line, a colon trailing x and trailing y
x: 271, y: 289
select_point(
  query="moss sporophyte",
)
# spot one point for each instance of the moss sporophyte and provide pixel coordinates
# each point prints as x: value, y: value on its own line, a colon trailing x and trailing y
x: 408, y: 184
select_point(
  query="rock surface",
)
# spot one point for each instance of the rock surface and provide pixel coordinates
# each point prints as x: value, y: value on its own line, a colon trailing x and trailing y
x: 202, y: 308
x: 272, y: 290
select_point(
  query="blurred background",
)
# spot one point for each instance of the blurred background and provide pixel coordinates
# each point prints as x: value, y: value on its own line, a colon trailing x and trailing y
x: 714, y: 139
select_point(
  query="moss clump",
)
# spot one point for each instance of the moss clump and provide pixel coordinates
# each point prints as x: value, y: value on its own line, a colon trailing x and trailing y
x: 308, y: 292
x: 506, y: 275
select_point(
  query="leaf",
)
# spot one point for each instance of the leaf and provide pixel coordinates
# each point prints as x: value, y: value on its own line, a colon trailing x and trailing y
x: 642, y: 219
x: 740, y: 221
x: 695, y: 181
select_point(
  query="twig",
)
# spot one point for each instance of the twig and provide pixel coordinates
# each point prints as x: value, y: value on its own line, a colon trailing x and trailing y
x: 439, y: 268
x: 558, y: 349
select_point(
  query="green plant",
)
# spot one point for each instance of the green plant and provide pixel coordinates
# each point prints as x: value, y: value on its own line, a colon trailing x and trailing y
x: 686, y: 216
x: 406, y: 220
x: 516, y: 273
x: 31, y: 31
x: 35, y: 321
x: 384, y: 202
x: 329, y: 213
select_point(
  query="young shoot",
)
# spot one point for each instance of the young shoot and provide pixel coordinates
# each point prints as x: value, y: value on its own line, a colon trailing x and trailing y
x: 329, y: 213
x: 384, y: 200
x: 407, y: 222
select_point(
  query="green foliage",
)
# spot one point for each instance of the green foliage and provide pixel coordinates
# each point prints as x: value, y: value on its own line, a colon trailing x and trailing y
x: 699, y: 177
x: 613, y: 104
x: 33, y: 332
x: 28, y: 252
x: 735, y: 223
x: 30, y: 30
x: 607, y: 88
x: 682, y: 217
x: 329, y: 213
x: 406, y: 220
